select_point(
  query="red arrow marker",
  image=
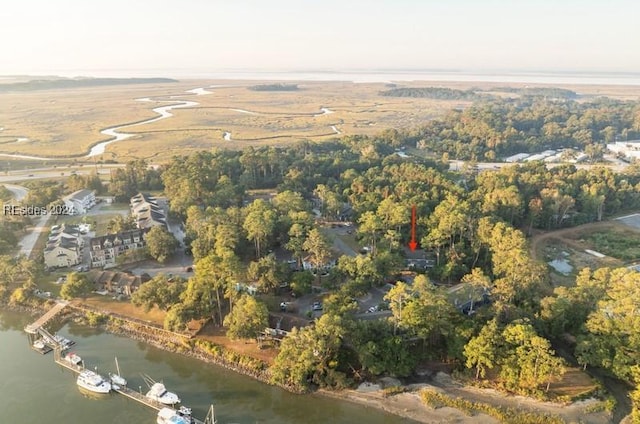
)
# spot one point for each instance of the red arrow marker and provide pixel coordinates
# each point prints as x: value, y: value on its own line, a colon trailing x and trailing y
x: 413, y: 244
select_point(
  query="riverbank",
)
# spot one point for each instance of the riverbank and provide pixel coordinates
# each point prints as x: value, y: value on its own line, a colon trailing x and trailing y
x: 456, y: 403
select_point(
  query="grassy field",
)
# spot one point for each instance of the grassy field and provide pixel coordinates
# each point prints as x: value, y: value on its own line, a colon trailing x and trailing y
x: 619, y: 243
x: 68, y: 122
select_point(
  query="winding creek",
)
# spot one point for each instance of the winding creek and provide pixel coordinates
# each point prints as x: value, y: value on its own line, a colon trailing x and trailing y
x: 33, y: 390
x: 115, y: 134
x: 162, y: 111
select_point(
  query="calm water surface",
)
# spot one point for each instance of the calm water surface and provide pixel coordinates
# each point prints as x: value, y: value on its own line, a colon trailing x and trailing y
x: 34, y: 390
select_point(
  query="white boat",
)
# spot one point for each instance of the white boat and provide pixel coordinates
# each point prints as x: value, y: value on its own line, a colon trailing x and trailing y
x: 170, y: 416
x: 38, y: 344
x: 159, y: 393
x: 73, y: 358
x: 63, y: 342
x: 93, y: 382
x: 117, y: 379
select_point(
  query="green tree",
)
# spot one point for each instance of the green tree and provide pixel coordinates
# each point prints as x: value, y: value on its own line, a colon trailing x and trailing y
x: 77, y: 285
x: 177, y: 318
x: 362, y: 270
x: 529, y: 360
x: 215, y: 277
x: 482, y: 351
x: 248, y: 319
x: 160, y: 243
x: 613, y: 328
x: 160, y: 291
x: 379, y: 351
x: 260, y: 223
x: 267, y: 272
x: 428, y: 314
x: 310, y: 355
x: 319, y: 250
x: 370, y: 228
x: 20, y: 296
x: 120, y: 223
x: 398, y: 297
x: 301, y: 282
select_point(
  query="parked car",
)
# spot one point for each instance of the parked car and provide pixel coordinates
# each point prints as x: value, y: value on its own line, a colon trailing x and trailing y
x: 317, y: 306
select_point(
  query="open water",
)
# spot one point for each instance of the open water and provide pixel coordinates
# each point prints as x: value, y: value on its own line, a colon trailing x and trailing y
x: 34, y: 390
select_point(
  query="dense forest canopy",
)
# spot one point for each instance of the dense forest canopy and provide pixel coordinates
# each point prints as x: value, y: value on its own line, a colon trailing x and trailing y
x: 494, y: 129
x: 441, y: 93
x: 275, y: 87
x: 547, y: 92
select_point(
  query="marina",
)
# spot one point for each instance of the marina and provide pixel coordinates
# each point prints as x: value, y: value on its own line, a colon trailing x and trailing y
x: 123, y: 390
x: 93, y: 382
x: 32, y: 379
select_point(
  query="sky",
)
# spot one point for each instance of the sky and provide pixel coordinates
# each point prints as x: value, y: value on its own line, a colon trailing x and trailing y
x: 81, y: 37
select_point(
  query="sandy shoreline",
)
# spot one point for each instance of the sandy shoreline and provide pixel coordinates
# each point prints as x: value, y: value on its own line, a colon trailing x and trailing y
x: 408, y: 405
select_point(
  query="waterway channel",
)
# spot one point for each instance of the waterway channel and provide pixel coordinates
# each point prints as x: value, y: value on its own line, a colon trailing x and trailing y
x: 34, y: 390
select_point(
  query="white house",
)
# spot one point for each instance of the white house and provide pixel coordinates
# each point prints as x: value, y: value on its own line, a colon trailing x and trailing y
x: 79, y: 202
x: 64, y: 247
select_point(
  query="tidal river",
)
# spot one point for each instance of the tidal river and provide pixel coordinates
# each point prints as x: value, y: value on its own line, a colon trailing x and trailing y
x: 34, y: 390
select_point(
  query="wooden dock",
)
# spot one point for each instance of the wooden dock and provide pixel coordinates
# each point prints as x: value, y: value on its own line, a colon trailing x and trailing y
x: 125, y: 391
x: 44, y: 319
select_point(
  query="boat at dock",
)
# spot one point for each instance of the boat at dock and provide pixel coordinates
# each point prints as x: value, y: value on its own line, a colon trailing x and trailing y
x: 72, y: 358
x: 63, y: 342
x: 159, y: 393
x: 171, y: 416
x: 93, y: 382
x: 117, y: 379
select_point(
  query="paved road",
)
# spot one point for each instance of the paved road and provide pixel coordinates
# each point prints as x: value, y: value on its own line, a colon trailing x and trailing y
x: 51, y: 172
x: 19, y: 192
x: 631, y: 220
x: 29, y: 240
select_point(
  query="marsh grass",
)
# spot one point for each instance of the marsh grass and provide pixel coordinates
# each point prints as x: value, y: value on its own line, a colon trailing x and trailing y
x: 68, y: 122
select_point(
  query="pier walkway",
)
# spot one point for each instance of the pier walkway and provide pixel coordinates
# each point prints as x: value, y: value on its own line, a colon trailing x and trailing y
x: 44, y: 319
x: 125, y: 391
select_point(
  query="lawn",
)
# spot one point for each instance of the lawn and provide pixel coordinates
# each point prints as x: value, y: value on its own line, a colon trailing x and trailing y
x: 573, y: 384
x: 102, y: 221
x: 245, y: 347
x: 123, y: 307
x: 618, y: 242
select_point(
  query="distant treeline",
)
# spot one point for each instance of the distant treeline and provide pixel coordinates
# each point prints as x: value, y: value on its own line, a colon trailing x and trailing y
x: 439, y: 93
x: 551, y: 92
x: 274, y: 87
x: 49, y: 84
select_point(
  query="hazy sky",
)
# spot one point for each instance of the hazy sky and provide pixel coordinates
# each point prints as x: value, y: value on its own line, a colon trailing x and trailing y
x: 82, y: 35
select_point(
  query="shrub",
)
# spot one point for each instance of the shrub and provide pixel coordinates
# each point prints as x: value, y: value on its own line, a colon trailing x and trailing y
x: 393, y: 390
x: 505, y: 415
